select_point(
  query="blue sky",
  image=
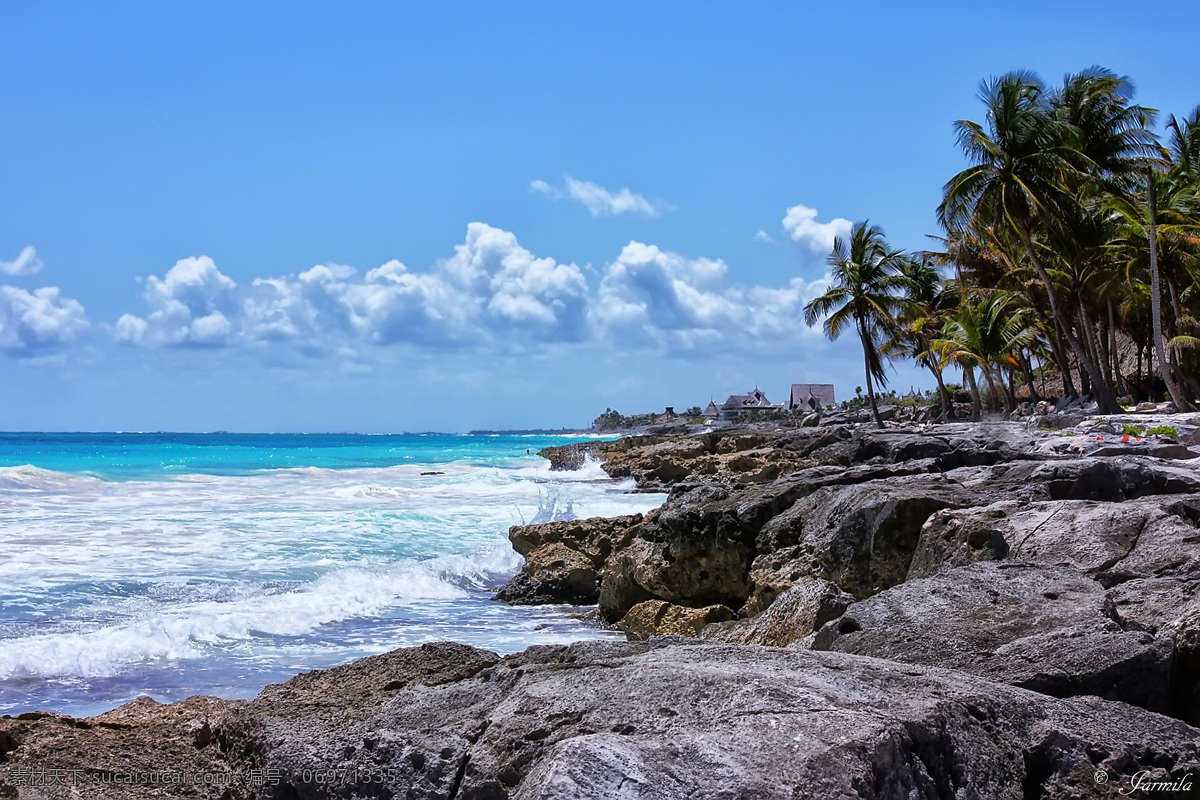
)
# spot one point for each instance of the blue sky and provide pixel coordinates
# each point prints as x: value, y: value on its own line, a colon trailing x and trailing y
x: 390, y: 217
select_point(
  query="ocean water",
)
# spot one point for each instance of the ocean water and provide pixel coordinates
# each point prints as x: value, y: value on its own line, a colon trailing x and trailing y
x: 176, y: 564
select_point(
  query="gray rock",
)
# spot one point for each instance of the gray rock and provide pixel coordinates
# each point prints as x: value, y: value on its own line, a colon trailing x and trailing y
x: 1097, y: 538
x: 1049, y: 629
x: 660, y: 618
x: 859, y: 537
x: 661, y: 719
x: 794, y: 615
x: 553, y: 573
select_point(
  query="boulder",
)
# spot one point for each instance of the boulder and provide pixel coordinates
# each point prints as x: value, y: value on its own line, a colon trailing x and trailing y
x: 1113, y: 542
x: 56, y: 757
x: 553, y: 573
x: 596, y: 537
x: 793, y: 615
x: 664, y: 719
x: 660, y: 618
x: 1048, y: 629
x: 860, y: 537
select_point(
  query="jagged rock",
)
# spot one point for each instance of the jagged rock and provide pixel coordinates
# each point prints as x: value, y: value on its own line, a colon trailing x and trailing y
x: 619, y: 590
x: 1146, y: 448
x: 663, y: 719
x: 1049, y: 629
x: 1097, y: 538
x: 553, y: 573
x: 860, y: 537
x: 94, y: 757
x: 660, y: 618
x: 595, y: 537
x: 793, y: 615
x: 563, y: 559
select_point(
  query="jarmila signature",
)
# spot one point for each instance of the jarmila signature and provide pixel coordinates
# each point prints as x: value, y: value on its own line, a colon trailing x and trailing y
x: 1142, y: 781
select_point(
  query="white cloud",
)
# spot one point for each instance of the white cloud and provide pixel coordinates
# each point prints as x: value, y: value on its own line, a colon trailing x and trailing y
x: 651, y: 297
x: 801, y: 224
x: 188, y: 307
x: 492, y: 293
x: 26, y: 263
x: 599, y: 201
x: 33, y: 323
x: 763, y: 236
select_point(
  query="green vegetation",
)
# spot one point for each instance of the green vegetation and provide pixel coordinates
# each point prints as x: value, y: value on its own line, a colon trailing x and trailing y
x: 1073, y: 235
x: 1132, y: 430
x: 614, y: 420
x: 1163, y: 430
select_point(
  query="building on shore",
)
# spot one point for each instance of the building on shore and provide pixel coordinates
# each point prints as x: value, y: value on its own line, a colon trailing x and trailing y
x: 813, y: 396
x: 739, y: 404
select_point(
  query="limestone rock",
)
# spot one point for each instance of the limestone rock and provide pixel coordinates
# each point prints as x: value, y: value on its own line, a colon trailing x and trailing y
x: 553, y: 573
x: 663, y: 719
x: 92, y: 757
x: 793, y: 615
x: 1111, y: 541
x: 596, y: 537
x: 660, y: 618
x: 1049, y: 629
x: 861, y: 537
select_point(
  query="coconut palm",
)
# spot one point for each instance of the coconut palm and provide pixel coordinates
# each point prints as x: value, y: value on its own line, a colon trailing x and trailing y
x: 989, y: 330
x: 1039, y: 150
x: 1161, y: 217
x: 864, y: 271
x: 930, y: 298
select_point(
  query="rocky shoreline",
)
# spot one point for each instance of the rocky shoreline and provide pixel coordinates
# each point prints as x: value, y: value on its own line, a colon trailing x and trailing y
x: 1003, y: 609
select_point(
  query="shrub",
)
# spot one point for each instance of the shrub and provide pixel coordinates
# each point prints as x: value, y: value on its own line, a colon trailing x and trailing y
x: 1163, y: 430
x: 1132, y: 430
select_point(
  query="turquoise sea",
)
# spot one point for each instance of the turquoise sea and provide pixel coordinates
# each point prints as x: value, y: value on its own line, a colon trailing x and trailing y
x: 176, y: 564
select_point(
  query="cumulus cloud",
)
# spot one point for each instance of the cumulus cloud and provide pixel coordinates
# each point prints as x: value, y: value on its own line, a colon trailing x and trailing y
x: 656, y: 298
x: 189, y: 307
x: 32, y: 323
x: 26, y: 263
x: 763, y: 236
x: 801, y: 225
x: 599, y: 201
x: 491, y: 293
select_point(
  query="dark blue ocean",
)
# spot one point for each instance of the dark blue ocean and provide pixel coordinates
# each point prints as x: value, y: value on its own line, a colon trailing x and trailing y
x: 176, y: 564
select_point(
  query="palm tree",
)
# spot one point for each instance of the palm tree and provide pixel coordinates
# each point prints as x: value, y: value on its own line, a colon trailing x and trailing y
x: 930, y: 298
x: 989, y: 329
x: 1164, y: 213
x: 1039, y: 151
x: 865, y: 276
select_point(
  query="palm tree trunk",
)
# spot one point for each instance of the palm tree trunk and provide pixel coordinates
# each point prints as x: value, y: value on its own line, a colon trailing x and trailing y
x: 969, y: 374
x: 1114, y: 350
x: 1104, y: 396
x: 1027, y: 371
x: 1064, y: 363
x: 943, y: 393
x: 1091, y: 341
x: 993, y: 394
x: 1106, y: 351
x: 867, y: 345
x: 1156, y: 304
